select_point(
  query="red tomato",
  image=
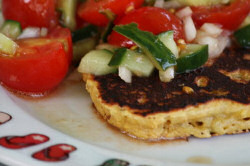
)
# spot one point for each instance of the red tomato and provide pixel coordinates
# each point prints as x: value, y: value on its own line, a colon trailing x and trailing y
x: 90, y: 11
x: 36, y: 67
x: 230, y: 17
x: 63, y: 35
x: 152, y: 19
x: 79, y: 22
x: 38, y: 13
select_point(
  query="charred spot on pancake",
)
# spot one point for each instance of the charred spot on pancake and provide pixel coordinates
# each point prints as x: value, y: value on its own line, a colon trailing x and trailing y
x: 150, y: 95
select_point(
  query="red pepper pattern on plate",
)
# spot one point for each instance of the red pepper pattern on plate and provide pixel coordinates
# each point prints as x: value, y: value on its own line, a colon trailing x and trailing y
x: 19, y: 142
x: 55, y: 153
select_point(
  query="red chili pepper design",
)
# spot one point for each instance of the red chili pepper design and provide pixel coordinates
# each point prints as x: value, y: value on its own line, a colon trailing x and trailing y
x: 18, y: 142
x: 55, y: 153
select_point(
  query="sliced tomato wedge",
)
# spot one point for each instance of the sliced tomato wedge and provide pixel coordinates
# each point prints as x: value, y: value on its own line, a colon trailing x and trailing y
x: 91, y: 10
x: 39, y: 13
x: 63, y: 35
x: 37, y: 67
x: 229, y: 17
x: 152, y: 19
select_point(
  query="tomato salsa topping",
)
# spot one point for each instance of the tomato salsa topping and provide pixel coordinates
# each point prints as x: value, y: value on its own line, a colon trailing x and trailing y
x: 131, y: 37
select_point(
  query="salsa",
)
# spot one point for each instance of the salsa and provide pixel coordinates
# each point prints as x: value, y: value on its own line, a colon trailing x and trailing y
x: 130, y: 37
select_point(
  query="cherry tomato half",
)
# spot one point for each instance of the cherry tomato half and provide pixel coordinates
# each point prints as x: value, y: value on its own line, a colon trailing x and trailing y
x: 37, y: 67
x: 230, y: 17
x: 90, y: 11
x: 40, y: 13
x: 152, y: 19
x: 63, y: 35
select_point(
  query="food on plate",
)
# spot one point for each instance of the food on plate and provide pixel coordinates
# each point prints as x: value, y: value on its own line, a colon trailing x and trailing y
x: 229, y: 17
x: 200, y: 3
x: 203, y: 103
x: 165, y: 21
x: 174, y: 70
x: 36, y: 52
x: 95, y: 12
x: 154, y: 68
x: 30, y: 13
x: 38, y: 65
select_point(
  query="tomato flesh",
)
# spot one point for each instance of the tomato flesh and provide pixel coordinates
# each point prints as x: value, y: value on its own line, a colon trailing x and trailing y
x: 152, y: 19
x: 39, y: 13
x: 229, y: 17
x: 90, y: 11
x: 63, y: 35
x: 35, y: 68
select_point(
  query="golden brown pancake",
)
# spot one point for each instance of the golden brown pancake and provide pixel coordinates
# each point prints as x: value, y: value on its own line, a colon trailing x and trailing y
x: 213, y: 100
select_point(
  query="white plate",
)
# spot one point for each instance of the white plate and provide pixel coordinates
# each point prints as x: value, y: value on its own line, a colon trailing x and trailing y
x: 67, y: 117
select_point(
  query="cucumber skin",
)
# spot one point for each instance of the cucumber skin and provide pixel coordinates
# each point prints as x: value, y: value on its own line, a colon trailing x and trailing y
x: 156, y: 51
x: 15, y: 27
x: 243, y: 36
x: 194, y: 61
x: 118, y: 57
x: 107, y: 32
x: 84, y: 33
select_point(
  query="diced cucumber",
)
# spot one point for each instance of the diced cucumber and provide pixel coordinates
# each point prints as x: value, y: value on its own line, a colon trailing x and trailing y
x: 68, y: 9
x: 149, y: 2
x: 243, y: 36
x: 245, y: 22
x: 202, y: 2
x: 7, y: 46
x: 96, y: 62
x: 106, y: 46
x: 83, y: 33
x: 157, y: 52
x: 167, y: 39
x: 1, y: 16
x: 192, y: 57
x: 11, y: 29
x: 82, y: 47
x: 137, y: 63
